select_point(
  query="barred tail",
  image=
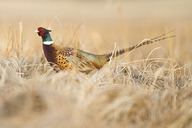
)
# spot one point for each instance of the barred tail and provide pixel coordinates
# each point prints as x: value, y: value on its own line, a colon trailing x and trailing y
x: 144, y: 42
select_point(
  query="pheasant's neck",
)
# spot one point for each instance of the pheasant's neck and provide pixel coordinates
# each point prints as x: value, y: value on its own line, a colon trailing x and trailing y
x: 50, y: 53
x: 47, y: 39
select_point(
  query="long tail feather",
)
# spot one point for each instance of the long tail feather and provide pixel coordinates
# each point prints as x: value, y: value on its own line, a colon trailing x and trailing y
x: 144, y: 42
x: 164, y: 34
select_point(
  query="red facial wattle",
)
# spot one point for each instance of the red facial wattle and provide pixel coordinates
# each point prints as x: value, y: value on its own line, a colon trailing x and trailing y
x: 41, y: 33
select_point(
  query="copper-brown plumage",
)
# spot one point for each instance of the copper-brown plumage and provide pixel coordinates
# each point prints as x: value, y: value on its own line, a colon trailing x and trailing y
x: 68, y: 58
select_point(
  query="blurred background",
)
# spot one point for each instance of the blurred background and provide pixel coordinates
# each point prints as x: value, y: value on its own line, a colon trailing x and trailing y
x: 95, y: 25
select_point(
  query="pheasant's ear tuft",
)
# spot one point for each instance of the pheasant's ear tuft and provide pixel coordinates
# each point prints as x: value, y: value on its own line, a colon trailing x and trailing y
x: 40, y: 29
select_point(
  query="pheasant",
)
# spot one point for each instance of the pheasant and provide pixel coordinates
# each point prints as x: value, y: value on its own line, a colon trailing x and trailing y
x: 67, y: 58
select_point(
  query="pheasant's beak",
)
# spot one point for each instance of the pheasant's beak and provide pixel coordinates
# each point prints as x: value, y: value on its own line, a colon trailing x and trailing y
x: 36, y: 30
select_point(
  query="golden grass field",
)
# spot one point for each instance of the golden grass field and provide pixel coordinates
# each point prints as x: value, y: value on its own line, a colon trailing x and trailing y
x: 149, y: 87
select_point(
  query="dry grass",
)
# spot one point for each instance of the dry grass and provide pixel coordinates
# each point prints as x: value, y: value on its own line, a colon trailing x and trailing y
x: 149, y: 87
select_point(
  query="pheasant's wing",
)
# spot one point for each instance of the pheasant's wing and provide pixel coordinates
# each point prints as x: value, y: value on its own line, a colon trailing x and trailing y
x: 78, y: 61
x: 81, y: 63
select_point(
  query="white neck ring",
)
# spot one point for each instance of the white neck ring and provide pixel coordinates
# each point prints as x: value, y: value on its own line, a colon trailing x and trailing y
x: 48, y: 42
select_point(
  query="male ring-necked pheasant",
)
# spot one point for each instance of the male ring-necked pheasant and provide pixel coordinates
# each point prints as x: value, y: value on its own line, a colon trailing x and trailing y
x: 66, y: 58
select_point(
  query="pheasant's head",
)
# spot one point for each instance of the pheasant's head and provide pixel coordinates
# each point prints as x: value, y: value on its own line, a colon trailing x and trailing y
x: 42, y: 31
